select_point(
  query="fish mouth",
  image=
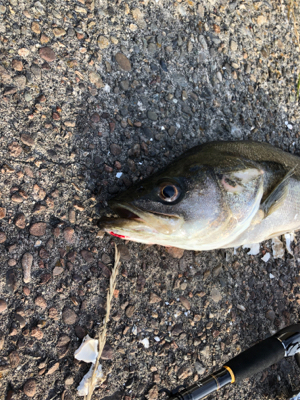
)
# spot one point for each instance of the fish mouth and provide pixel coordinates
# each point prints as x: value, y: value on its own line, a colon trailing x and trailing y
x: 135, y: 223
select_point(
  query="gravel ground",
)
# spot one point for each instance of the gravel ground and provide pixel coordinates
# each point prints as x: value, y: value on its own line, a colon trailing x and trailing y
x: 95, y: 96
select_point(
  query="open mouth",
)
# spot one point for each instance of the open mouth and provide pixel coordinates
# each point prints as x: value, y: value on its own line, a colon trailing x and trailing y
x: 126, y: 214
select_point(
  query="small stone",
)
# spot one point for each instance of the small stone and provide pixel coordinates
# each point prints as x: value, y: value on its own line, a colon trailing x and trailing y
x: 69, y: 316
x: 115, y: 149
x: 130, y: 311
x: 175, y: 252
x: 23, y: 52
x: 35, y: 27
x: 184, y: 372
x: 154, y: 298
x: 233, y: 45
x: 69, y: 380
x: 27, y: 139
x: 96, y: 80
x: 52, y: 369
x: 14, y: 359
x: 11, y: 281
x: 40, y: 302
x: 152, y: 115
x: 20, y: 221
x: 270, y: 315
x: 87, y: 256
x: 17, y: 65
x: 70, y: 124
x: 69, y: 235
x: 53, y: 313
x: 95, y: 118
x: 123, y: 62
x: 2, y: 237
x: 153, y: 393
x: 37, y: 333
x: 30, y: 388
x: 2, y: 212
x: 58, y: 32
x: 3, y: 306
x: 57, y: 271
x: 27, y: 260
x: 261, y: 19
x: 17, y: 198
x: 15, y: 149
x: 38, y: 229
x: 44, y: 38
x: 103, y: 42
x: 184, y: 301
x: 124, y: 253
x: 124, y: 85
x: 215, y: 295
x: 199, y: 368
x: 47, y: 54
x: 107, y: 353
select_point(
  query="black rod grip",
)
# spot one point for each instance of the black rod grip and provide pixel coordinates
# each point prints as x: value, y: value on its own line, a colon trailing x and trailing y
x: 256, y: 358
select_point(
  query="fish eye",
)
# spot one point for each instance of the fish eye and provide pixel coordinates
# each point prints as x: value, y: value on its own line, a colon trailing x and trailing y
x: 168, y: 192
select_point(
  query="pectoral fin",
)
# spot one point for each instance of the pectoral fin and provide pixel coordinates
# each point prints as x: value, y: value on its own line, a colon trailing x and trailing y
x: 277, y: 196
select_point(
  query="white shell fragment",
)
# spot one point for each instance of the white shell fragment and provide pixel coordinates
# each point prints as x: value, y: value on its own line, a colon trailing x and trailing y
x: 87, y: 352
x: 145, y: 343
x: 289, y: 238
x: 266, y: 257
x: 83, y: 388
x: 278, y: 249
x: 254, y: 248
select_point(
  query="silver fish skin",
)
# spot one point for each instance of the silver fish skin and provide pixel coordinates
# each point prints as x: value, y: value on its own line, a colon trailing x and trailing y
x: 216, y: 195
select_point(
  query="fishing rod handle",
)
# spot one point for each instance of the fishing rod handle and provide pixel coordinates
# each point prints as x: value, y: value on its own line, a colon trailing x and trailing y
x: 255, y: 359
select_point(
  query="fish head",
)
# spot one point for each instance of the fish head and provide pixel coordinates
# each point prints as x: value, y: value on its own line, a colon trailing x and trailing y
x: 167, y: 208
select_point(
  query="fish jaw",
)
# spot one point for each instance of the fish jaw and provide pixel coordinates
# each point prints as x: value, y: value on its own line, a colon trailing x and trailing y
x: 141, y: 226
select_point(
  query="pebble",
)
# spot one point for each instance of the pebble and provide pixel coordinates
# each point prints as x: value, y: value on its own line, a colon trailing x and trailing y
x: 57, y: 271
x: 184, y: 301
x: 40, y: 302
x: 87, y: 256
x: 154, y: 298
x: 69, y: 235
x: 2, y: 237
x: 14, y: 359
x: 27, y: 260
x: 96, y: 80
x: 103, y: 42
x: 175, y: 252
x: 30, y: 388
x: 3, y: 306
x: 107, y: 353
x: 124, y: 253
x: 11, y: 281
x: 23, y: 52
x: 233, y: 45
x: 58, y: 32
x: 123, y: 62
x: 199, y: 368
x: 215, y: 295
x: 27, y: 139
x: 17, y: 65
x: 130, y: 311
x: 15, y: 149
x: 35, y: 27
x: 2, y: 212
x: 20, y: 221
x: 115, y: 149
x: 47, y: 54
x: 38, y: 229
x: 69, y: 316
x: 270, y: 315
x: 52, y: 369
x: 152, y: 115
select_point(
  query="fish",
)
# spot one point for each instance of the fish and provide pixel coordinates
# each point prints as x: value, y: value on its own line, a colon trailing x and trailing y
x: 216, y: 195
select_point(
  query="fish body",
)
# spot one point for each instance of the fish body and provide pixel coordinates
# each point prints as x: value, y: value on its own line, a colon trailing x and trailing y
x: 216, y: 195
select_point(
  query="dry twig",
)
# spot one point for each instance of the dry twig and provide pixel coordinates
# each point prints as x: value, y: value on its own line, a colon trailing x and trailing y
x: 103, y: 329
x: 291, y: 11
